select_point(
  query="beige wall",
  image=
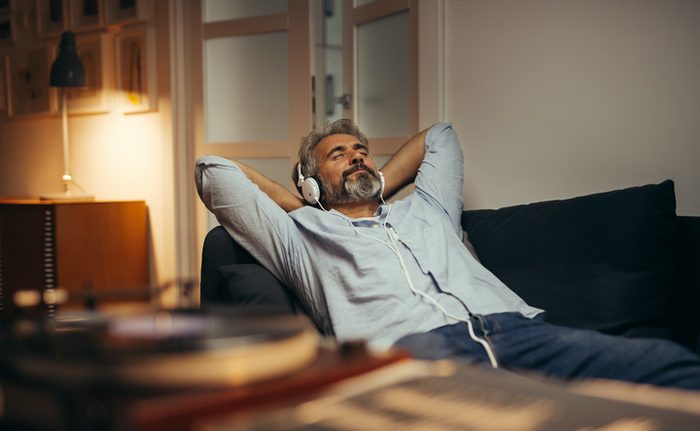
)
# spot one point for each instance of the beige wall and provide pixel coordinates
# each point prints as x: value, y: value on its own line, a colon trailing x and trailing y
x: 555, y: 98
x: 113, y: 156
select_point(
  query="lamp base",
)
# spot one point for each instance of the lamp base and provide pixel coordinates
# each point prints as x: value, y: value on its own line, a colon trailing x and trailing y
x: 67, y: 197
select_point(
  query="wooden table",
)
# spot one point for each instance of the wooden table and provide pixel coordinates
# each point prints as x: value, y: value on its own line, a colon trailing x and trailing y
x: 87, y: 248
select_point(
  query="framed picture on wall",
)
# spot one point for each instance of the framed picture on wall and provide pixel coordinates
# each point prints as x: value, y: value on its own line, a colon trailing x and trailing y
x: 94, y: 51
x: 7, y: 31
x: 25, y: 20
x: 136, y: 86
x: 4, y: 106
x: 127, y: 11
x: 84, y: 15
x: 28, y: 75
x: 53, y: 17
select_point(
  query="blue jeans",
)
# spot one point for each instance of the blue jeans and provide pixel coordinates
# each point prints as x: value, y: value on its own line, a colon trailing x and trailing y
x: 520, y: 343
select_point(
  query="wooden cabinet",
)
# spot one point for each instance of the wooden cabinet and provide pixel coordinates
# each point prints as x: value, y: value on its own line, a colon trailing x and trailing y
x: 88, y: 248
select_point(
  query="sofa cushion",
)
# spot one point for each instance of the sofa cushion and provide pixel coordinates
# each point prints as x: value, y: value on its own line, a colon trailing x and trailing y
x: 607, y: 261
x: 253, y: 286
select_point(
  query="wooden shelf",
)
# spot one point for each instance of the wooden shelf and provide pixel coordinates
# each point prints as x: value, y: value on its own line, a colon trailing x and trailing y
x: 99, y: 247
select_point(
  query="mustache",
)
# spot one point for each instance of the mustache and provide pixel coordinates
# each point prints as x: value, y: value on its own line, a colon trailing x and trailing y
x: 358, y: 167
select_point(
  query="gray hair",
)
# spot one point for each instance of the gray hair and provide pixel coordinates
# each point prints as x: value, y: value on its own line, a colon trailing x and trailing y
x: 307, y: 155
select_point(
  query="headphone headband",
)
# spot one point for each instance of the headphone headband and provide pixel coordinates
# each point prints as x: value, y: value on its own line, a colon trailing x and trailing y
x: 300, y: 176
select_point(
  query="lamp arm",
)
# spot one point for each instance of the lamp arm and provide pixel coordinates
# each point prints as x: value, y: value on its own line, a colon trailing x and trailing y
x: 66, y: 168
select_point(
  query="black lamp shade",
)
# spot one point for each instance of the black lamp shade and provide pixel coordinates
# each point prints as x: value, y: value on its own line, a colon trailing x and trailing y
x: 67, y: 70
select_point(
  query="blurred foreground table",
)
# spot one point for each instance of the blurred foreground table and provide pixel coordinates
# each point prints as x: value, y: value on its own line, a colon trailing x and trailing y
x: 166, y: 370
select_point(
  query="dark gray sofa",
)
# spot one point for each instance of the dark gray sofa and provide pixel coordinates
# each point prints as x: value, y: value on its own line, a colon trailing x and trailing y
x: 620, y: 262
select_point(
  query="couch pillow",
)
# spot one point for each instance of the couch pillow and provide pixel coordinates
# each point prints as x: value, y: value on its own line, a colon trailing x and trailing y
x: 606, y: 261
x: 253, y: 286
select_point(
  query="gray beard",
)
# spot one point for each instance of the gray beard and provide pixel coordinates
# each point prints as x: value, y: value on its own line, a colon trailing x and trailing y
x: 364, y: 187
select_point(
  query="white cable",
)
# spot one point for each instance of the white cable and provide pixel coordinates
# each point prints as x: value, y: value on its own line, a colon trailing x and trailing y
x: 395, y: 249
x: 484, y: 343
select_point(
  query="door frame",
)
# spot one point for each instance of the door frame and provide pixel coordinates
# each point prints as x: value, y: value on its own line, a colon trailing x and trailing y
x: 187, y: 93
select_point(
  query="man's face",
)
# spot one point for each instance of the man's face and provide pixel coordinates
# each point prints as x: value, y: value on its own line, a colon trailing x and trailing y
x: 346, y: 169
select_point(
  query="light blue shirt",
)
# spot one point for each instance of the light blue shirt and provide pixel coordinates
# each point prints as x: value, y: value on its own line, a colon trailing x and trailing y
x: 346, y: 271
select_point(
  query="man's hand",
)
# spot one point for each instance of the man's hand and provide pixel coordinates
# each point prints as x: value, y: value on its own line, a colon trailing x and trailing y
x: 399, y: 171
x: 402, y: 167
x: 287, y: 200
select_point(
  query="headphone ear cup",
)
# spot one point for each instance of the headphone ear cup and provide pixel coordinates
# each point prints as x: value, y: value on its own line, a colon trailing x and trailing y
x: 311, y: 190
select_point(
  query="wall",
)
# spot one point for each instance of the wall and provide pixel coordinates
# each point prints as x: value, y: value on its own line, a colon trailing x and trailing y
x: 554, y: 99
x: 113, y: 156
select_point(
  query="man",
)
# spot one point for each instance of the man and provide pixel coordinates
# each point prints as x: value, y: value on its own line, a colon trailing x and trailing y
x: 400, y: 274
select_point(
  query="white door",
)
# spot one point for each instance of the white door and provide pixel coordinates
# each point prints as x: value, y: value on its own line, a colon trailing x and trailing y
x: 248, y: 80
x: 249, y: 86
x: 380, y: 70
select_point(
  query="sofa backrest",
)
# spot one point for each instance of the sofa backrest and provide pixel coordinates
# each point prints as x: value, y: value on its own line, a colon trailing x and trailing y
x: 618, y: 262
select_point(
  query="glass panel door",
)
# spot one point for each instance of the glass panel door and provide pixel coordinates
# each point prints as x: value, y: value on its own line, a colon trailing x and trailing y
x: 382, y: 76
x: 247, y: 88
x: 220, y: 10
x: 255, y: 95
x: 380, y: 64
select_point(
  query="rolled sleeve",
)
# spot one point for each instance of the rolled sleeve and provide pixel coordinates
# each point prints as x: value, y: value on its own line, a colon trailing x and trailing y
x: 440, y: 177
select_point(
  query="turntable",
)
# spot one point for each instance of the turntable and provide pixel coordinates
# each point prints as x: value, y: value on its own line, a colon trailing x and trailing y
x: 159, y: 349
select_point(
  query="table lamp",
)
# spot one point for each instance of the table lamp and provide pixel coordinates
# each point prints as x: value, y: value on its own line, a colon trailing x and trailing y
x: 67, y: 71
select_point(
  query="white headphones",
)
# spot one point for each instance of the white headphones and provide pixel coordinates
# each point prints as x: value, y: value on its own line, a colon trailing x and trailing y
x: 311, y: 189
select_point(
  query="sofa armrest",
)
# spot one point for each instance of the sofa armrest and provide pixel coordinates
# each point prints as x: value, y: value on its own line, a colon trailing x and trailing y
x: 687, y: 325
x: 231, y: 277
x: 219, y: 249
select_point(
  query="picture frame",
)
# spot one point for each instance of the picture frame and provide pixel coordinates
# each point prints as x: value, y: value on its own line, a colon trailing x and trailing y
x: 136, y: 70
x: 95, y: 51
x: 28, y: 77
x: 52, y: 17
x: 121, y: 12
x: 85, y: 15
x: 25, y: 20
x: 4, y: 102
x: 7, y: 28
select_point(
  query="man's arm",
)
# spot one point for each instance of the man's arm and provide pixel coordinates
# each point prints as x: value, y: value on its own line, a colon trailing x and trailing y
x: 259, y: 224
x: 402, y: 167
x: 441, y: 176
x: 249, y: 215
x: 279, y: 194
